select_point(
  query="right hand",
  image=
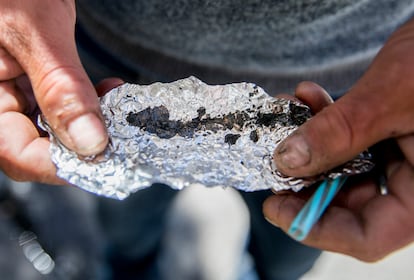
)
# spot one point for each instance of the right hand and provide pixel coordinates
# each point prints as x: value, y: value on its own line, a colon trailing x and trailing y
x: 37, y: 40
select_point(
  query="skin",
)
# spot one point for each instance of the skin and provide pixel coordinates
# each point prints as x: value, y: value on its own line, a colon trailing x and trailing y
x: 378, y: 109
x: 40, y: 70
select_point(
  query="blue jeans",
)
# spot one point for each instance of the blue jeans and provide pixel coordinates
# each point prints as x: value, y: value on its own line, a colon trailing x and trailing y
x: 135, y: 227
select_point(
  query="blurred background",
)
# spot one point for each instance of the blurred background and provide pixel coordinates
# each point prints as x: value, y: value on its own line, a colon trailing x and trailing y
x: 49, y: 232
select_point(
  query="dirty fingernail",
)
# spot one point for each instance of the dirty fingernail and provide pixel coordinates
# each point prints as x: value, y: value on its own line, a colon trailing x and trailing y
x: 88, y: 134
x: 293, y: 152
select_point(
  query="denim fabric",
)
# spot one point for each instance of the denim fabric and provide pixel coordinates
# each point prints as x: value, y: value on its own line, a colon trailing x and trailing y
x: 135, y: 228
x: 276, y: 255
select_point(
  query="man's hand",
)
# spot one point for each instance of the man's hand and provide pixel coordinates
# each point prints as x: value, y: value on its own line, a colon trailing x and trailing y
x: 37, y: 40
x: 361, y: 222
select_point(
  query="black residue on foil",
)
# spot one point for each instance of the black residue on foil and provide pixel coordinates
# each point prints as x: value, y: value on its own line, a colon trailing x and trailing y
x: 156, y: 120
x: 298, y: 114
x: 231, y: 138
x: 254, y: 136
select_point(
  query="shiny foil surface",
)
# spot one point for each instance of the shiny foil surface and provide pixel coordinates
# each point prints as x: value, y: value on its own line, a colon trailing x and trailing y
x: 187, y: 132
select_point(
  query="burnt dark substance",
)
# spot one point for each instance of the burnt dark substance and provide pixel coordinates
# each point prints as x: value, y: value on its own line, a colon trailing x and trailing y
x: 201, y: 111
x: 254, y: 136
x: 231, y: 139
x: 298, y: 114
x: 156, y: 120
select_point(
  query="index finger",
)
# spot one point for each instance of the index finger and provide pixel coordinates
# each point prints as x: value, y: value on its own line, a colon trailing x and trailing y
x: 370, y: 231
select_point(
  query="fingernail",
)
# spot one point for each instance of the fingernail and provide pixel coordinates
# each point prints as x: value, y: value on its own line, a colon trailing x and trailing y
x: 87, y: 134
x: 293, y: 152
x: 271, y: 222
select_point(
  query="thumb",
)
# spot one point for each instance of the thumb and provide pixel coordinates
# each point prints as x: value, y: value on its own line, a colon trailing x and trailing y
x: 41, y: 38
x: 333, y: 136
x: 379, y: 106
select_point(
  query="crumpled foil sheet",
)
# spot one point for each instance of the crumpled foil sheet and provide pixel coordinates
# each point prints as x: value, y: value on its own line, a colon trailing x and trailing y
x: 187, y: 132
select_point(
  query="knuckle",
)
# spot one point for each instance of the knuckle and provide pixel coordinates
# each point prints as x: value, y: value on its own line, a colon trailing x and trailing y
x: 10, y: 99
x: 60, y: 77
x: 61, y: 94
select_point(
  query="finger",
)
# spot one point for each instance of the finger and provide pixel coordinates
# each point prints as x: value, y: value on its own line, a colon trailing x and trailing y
x: 23, y: 155
x: 333, y: 136
x: 366, y: 115
x: 339, y: 230
x: 280, y: 210
x: 310, y: 94
x: 11, y: 99
x: 313, y: 95
x: 107, y: 84
x: 382, y: 225
x: 287, y: 96
x: 406, y: 144
x: 43, y: 43
x: 355, y: 194
x: 9, y: 67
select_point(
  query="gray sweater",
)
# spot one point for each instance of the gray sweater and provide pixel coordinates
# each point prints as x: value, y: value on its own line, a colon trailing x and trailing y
x: 273, y: 43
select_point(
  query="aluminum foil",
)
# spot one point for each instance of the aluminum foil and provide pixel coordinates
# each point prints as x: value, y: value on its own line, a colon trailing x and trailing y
x: 187, y: 132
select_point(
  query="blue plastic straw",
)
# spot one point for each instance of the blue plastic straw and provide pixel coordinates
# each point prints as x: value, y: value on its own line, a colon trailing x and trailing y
x: 314, y: 208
